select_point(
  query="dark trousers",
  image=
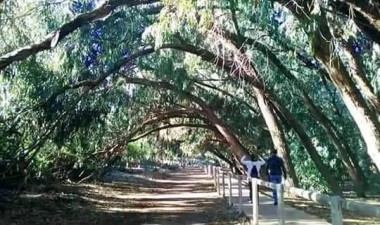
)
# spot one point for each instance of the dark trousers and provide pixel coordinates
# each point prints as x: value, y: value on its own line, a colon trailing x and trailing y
x: 250, y: 190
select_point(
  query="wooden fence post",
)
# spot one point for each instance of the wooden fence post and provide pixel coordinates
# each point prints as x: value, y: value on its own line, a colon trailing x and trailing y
x: 230, y: 188
x: 223, y: 183
x: 218, y: 179
x: 214, y: 176
x: 280, y: 204
x: 240, y: 195
x: 336, y: 210
x: 255, y: 202
x: 145, y: 171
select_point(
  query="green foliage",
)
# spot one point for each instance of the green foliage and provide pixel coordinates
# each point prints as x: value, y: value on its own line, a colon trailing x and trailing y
x: 60, y: 131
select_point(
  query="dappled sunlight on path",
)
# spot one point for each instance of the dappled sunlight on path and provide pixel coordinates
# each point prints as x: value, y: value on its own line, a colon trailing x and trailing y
x: 185, y: 197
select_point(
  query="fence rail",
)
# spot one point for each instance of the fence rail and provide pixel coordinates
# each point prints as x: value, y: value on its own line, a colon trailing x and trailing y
x: 336, y: 203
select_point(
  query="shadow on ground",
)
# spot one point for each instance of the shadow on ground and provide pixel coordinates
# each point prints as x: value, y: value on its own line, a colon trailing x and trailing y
x: 185, y: 197
x: 350, y: 218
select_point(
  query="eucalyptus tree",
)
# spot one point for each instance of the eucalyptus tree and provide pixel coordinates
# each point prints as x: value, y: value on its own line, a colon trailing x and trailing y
x: 253, y: 76
x: 208, y: 56
x: 240, y: 67
x: 330, y: 132
x: 322, y: 39
x: 41, y: 106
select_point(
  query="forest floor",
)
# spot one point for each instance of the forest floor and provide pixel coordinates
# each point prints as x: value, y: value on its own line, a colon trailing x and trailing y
x: 169, y: 198
x: 176, y: 198
x: 324, y: 212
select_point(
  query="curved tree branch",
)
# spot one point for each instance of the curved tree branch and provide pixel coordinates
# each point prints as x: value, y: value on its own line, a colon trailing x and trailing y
x: 367, y: 10
x: 203, y: 53
x: 123, y: 139
x: 176, y: 113
x: 92, y: 83
x: 205, y: 126
x: 199, y: 83
x: 51, y: 40
x: 230, y: 137
x: 367, y: 25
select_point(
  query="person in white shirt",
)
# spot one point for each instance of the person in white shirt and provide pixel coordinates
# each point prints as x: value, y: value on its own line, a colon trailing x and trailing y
x: 252, y: 167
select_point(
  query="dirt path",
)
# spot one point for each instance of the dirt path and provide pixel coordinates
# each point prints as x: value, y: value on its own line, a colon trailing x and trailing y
x: 179, y: 198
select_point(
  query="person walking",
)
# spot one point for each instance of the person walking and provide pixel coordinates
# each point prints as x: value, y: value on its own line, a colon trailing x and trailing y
x: 253, y: 170
x: 275, y: 169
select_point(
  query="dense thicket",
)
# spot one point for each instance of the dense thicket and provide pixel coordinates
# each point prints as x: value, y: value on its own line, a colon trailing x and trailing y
x: 90, y: 84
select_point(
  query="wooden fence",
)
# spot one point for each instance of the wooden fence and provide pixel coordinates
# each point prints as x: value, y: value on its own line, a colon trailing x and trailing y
x: 336, y: 203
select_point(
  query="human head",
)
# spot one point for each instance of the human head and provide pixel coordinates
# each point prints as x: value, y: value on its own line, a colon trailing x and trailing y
x: 253, y: 157
x: 273, y: 152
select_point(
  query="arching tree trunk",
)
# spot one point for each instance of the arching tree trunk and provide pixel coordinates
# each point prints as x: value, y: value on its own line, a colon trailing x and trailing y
x: 246, y: 72
x: 305, y: 139
x: 51, y: 40
x: 251, y: 76
x: 370, y: 11
x: 322, y: 42
x: 278, y: 136
x: 363, y: 116
x: 359, y: 77
x: 361, y: 21
x: 349, y: 160
x: 230, y: 162
x: 237, y: 148
x: 230, y: 137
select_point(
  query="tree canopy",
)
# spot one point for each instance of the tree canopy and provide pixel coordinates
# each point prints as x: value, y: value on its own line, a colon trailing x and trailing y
x: 85, y: 83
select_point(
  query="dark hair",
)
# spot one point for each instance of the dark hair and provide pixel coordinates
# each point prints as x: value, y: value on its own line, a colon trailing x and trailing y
x: 253, y: 157
x: 273, y: 151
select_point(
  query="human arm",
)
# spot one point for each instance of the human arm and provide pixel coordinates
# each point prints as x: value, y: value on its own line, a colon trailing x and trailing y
x: 261, y: 161
x: 244, y: 160
x: 267, y: 165
x: 283, y: 169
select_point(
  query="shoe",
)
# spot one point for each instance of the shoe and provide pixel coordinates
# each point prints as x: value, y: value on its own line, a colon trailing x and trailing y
x: 250, y: 201
x: 275, y: 203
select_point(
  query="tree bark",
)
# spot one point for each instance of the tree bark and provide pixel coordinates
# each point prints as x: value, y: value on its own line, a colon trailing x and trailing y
x: 305, y: 139
x: 222, y: 157
x: 361, y: 21
x: 248, y: 74
x: 349, y: 160
x: 360, y: 78
x: 363, y: 116
x: 278, y: 137
x: 369, y: 11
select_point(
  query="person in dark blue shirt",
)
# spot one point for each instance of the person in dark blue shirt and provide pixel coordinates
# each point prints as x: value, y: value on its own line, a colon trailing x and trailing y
x: 275, y: 169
